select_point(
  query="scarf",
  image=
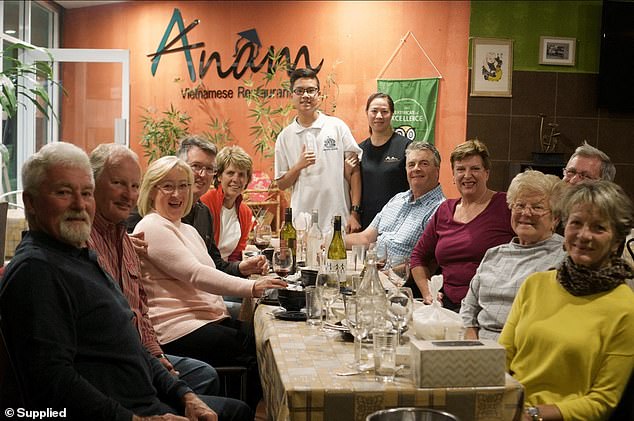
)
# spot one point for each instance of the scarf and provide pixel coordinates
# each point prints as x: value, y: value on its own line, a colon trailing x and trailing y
x: 582, y: 280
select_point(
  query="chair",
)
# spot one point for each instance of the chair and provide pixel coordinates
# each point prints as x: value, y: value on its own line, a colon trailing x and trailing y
x: 411, y: 414
x: 233, y: 382
x: 624, y: 411
x: 17, y: 198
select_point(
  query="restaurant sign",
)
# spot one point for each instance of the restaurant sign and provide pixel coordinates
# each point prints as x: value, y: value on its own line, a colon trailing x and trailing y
x: 247, y: 50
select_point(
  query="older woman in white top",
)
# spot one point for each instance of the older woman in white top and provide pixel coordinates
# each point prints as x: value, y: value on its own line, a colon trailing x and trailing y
x: 184, y: 287
x: 504, y: 268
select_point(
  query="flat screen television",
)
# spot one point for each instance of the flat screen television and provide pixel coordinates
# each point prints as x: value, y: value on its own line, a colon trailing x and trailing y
x: 616, y: 70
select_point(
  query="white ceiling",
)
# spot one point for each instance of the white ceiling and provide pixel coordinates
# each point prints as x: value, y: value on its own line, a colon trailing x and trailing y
x: 76, y: 4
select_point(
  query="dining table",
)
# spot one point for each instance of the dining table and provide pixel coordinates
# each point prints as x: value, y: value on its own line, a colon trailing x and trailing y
x: 301, y: 366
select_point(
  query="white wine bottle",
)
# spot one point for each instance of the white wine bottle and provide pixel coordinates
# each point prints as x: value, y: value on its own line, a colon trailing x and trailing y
x: 288, y: 236
x: 337, y: 261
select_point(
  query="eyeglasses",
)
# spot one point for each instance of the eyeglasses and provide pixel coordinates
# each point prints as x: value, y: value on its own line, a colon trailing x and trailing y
x: 537, y: 210
x: 197, y: 168
x: 170, y: 188
x: 570, y: 173
x: 312, y: 91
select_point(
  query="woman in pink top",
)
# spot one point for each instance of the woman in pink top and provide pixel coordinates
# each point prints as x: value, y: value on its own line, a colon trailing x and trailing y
x: 184, y: 287
x: 463, y: 229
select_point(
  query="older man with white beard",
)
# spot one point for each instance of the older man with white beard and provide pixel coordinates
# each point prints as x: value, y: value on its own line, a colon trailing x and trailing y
x: 66, y: 324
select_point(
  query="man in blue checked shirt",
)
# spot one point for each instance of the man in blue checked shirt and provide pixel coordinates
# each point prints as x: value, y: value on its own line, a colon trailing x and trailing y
x: 402, y: 220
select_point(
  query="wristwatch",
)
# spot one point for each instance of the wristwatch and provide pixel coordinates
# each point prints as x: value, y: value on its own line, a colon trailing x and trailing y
x: 533, y: 412
x: 356, y: 208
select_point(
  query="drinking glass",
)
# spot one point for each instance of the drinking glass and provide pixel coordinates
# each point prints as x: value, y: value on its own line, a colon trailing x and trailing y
x: 400, y: 306
x: 328, y: 285
x: 358, y: 328
x: 385, y: 344
x: 311, y: 147
x: 358, y: 250
x: 263, y: 236
x: 397, y: 269
x: 282, y: 261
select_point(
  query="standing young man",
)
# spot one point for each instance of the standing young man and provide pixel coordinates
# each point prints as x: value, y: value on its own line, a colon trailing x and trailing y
x: 310, y: 156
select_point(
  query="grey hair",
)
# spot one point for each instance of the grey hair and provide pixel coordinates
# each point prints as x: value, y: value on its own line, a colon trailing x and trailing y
x: 109, y: 153
x: 608, y: 170
x: 53, y: 154
x: 188, y: 142
x: 607, y: 198
x: 423, y: 146
x: 531, y: 182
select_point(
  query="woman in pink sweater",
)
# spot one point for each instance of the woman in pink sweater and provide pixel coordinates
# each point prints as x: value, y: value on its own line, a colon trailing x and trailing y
x: 184, y: 287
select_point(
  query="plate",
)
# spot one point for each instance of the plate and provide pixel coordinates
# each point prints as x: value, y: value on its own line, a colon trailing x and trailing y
x: 291, y: 316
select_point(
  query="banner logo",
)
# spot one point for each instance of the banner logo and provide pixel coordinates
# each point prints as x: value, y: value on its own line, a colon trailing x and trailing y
x: 414, y: 106
x: 246, y: 51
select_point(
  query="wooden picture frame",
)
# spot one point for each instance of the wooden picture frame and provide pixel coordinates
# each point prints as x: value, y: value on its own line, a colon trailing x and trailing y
x: 491, y: 67
x: 557, y: 51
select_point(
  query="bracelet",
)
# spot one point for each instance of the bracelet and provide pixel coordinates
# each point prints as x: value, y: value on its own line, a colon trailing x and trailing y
x: 533, y: 412
x: 356, y: 208
x: 161, y: 357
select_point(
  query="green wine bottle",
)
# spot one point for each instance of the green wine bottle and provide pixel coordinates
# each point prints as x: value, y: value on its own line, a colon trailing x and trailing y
x: 288, y: 236
x: 337, y: 261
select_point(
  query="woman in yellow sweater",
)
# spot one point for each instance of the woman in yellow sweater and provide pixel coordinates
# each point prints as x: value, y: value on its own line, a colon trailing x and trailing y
x: 569, y: 338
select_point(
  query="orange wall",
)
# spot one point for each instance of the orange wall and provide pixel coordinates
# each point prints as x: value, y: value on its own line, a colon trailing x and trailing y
x: 362, y: 35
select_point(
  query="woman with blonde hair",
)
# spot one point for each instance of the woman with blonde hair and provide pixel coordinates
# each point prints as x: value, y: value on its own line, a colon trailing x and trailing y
x: 184, y: 287
x: 504, y: 268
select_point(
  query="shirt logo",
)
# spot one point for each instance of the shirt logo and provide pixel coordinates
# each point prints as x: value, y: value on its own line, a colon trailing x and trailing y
x: 391, y: 159
x: 330, y: 144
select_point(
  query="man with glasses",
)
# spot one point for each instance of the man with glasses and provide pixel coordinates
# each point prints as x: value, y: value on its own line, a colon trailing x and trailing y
x: 310, y: 155
x: 588, y: 163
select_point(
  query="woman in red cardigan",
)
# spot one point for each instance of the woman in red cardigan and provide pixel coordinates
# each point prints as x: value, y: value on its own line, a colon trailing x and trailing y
x: 233, y: 219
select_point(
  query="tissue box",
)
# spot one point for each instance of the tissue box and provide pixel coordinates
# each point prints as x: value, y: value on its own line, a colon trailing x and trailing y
x: 457, y: 363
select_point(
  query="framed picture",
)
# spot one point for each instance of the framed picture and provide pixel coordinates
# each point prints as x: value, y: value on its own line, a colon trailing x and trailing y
x: 491, y: 67
x: 557, y: 51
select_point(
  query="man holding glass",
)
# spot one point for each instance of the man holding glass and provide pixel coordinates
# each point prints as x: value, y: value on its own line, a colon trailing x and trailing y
x: 310, y: 155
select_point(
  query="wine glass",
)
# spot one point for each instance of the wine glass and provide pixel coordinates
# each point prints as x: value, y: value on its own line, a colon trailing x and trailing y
x: 282, y: 261
x: 357, y: 325
x: 400, y: 306
x: 397, y: 269
x: 328, y: 284
x: 263, y: 236
x: 381, y: 254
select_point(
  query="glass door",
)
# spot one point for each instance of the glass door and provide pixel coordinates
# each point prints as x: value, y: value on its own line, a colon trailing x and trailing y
x: 92, y: 108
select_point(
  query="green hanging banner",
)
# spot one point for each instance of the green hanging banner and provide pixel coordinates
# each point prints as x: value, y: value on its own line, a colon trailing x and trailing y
x: 414, y: 106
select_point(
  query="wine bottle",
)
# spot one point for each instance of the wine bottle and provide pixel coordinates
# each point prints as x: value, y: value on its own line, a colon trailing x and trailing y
x: 288, y: 236
x: 315, y: 239
x: 337, y: 261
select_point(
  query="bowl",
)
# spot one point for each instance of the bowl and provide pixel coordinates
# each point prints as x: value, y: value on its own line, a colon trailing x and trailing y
x: 308, y: 276
x: 291, y: 300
